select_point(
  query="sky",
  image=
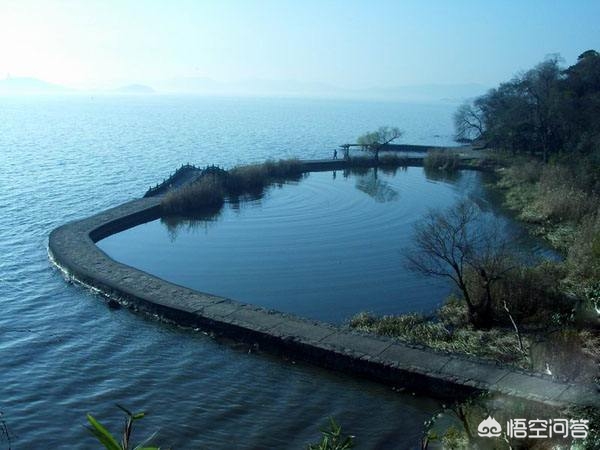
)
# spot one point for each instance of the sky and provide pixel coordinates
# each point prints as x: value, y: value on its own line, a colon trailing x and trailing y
x: 349, y: 44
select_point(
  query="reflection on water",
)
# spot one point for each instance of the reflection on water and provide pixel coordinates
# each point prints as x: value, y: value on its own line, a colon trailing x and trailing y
x: 324, y: 247
x: 376, y: 188
x: 200, y: 220
x: 442, y: 175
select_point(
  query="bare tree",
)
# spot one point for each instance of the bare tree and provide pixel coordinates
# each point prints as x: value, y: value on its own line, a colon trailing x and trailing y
x: 468, y: 122
x: 456, y: 244
x: 374, y: 141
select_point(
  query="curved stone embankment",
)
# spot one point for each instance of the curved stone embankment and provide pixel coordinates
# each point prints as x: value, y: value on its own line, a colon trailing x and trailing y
x: 72, y: 247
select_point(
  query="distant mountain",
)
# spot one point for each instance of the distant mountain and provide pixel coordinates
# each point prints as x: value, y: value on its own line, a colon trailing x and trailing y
x: 292, y: 88
x: 425, y: 92
x: 451, y: 93
x: 190, y: 85
x: 252, y: 86
x: 23, y: 85
x: 135, y: 89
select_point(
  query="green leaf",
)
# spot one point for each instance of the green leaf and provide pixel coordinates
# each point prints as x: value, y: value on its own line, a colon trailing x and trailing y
x: 102, y: 434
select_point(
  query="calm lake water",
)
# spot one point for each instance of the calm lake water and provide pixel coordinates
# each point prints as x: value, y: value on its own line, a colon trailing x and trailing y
x: 326, y: 247
x: 63, y: 353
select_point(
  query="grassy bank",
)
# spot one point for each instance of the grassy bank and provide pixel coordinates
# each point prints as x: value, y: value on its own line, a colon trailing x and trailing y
x: 448, y: 330
x: 548, y: 199
x: 553, y: 304
x: 544, y: 129
x: 561, y: 203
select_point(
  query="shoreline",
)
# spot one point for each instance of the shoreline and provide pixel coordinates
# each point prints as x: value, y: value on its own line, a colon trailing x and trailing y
x: 72, y: 248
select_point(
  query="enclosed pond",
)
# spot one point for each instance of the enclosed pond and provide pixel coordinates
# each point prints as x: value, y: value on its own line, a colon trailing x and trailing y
x: 325, y: 247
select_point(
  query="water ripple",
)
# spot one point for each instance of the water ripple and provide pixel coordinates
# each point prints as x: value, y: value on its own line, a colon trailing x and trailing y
x: 64, y: 353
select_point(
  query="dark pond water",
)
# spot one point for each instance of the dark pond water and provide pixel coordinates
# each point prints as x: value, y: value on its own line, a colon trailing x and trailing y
x: 326, y: 247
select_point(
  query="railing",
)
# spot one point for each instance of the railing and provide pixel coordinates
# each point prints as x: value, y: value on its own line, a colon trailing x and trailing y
x: 166, y: 183
x: 177, y: 179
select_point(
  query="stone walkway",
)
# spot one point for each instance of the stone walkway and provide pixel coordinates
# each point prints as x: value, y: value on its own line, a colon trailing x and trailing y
x: 72, y: 248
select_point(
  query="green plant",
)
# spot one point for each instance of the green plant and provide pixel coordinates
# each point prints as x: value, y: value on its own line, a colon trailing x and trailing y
x: 109, y: 441
x: 332, y: 438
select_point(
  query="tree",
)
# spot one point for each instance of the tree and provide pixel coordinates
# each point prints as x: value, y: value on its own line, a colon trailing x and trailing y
x: 540, y: 86
x: 580, y: 103
x: 457, y: 244
x: 468, y: 122
x: 374, y: 141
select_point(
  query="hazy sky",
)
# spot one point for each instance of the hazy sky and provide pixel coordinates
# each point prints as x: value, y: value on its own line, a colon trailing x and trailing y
x: 353, y: 44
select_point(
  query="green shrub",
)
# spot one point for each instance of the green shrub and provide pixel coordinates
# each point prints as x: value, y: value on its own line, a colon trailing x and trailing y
x: 332, y: 439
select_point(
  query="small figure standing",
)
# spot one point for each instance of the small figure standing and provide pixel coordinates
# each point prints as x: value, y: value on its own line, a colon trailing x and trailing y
x: 335, y: 154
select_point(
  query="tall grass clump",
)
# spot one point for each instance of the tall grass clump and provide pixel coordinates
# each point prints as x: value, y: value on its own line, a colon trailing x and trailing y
x: 284, y: 168
x: 442, y: 160
x: 207, y: 193
x: 215, y: 185
x: 254, y: 178
x: 246, y: 179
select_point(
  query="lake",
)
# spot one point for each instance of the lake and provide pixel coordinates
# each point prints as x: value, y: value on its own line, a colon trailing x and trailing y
x: 64, y: 353
x: 326, y: 247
